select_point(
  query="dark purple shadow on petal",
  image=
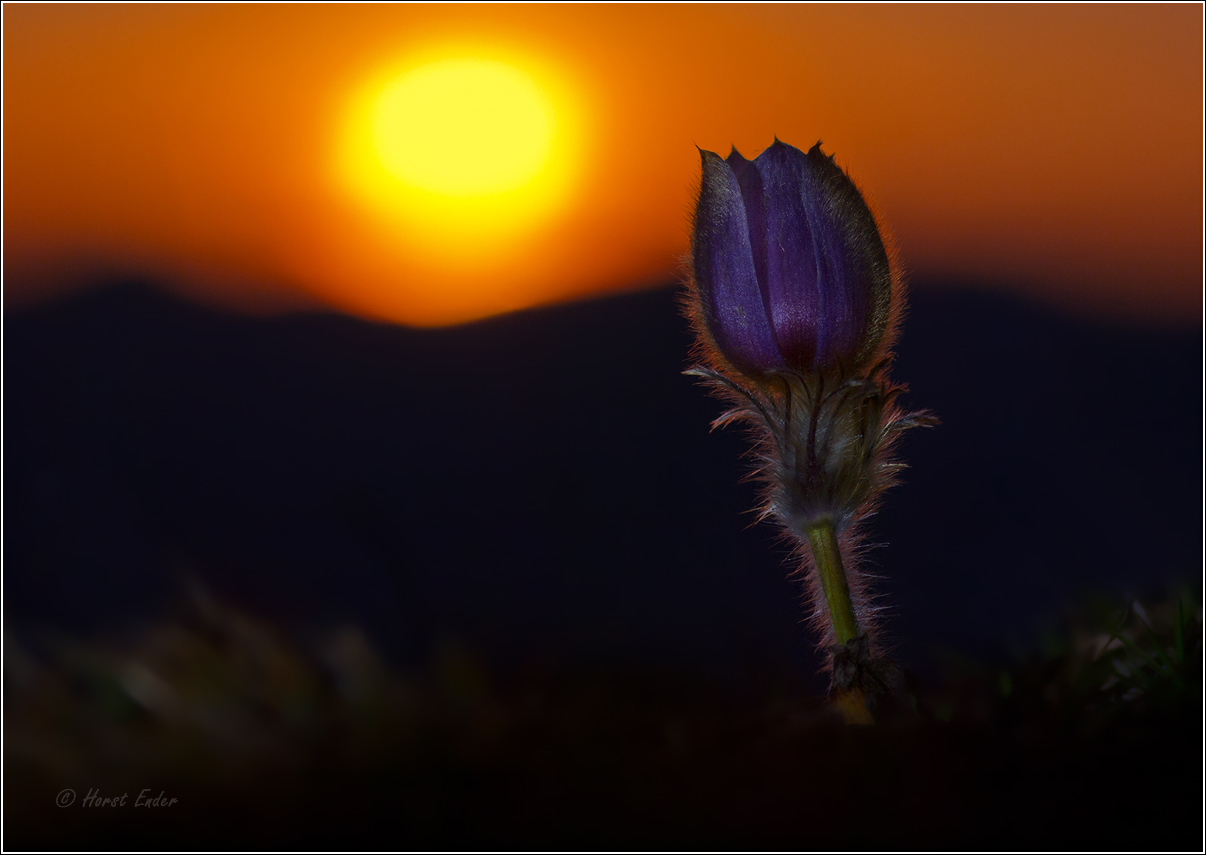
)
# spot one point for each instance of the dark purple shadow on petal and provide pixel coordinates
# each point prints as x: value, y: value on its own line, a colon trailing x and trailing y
x: 839, y: 218
x: 795, y: 297
x: 733, y: 306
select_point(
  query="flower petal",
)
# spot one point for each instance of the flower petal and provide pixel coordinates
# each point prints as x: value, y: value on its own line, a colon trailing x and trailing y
x: 755, y: 212
x: 859, y: 279
x: 732, y: 301
x: 795, y: 293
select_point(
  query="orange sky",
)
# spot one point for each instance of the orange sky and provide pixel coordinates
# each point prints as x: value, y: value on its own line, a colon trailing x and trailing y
x: 1053, y: 150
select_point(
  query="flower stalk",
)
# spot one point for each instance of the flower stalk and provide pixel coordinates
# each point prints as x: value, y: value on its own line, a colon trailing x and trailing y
x: 828, y: 560
x: 848, y: 697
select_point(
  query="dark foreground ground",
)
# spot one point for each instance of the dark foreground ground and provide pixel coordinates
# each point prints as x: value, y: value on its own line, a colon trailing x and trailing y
x: 267, y: 742
x: 332, y: 584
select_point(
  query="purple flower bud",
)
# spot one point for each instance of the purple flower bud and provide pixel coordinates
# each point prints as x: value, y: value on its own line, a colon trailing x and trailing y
x: 789, y: 266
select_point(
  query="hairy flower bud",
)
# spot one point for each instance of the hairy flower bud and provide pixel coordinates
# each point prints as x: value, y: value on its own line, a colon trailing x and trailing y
x: 789, y: 264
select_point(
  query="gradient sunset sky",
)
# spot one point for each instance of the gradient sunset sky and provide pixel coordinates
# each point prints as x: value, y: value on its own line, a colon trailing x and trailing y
x: 237, y: 152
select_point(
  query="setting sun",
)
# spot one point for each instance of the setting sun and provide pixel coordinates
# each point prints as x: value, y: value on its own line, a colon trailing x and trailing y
x: 462, y: 128
x: 457, y: 159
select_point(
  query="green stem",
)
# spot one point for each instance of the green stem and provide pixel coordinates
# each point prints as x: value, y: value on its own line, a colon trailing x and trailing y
x: 823, y: 541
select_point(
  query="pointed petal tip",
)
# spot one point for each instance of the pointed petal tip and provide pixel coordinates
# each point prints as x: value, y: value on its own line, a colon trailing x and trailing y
x: 816, y: 151
x: 736, y: 158
x: 780, y: 152
x: 709, y: 160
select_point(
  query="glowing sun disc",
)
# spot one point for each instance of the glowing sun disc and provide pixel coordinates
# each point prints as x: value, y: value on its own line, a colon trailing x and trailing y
x: 457, y: 159
x: 463, y: 127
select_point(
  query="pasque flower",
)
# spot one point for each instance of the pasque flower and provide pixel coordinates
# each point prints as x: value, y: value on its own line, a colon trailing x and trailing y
x: 795, y: 301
